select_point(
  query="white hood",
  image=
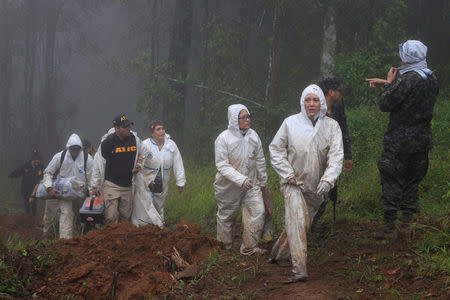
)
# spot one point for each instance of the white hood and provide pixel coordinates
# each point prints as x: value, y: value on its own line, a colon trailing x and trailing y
x: 233, y: 114
x: 74, y: 140
x: 111, y: 130
x: 316, y: 90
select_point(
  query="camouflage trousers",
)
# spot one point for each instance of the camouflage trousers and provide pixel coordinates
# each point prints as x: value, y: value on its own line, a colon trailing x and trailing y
x: 401, y: 174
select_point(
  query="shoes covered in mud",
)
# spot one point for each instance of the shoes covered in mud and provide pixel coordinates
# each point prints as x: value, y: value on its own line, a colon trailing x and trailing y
x: 404, y: 228
x: 248, y: 252
x: 260, y: 251
x: 297, y: 278
x: 386, y: 232
x: 281, y: 263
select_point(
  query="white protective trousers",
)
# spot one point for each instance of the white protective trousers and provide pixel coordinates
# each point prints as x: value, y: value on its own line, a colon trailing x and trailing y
x: 308, y: 154
x: 166, y: 159
x: 239, y: 157
x: 70, y: 167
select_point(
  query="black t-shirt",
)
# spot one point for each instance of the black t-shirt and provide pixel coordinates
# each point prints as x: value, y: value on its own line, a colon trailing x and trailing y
x: 120, y: 157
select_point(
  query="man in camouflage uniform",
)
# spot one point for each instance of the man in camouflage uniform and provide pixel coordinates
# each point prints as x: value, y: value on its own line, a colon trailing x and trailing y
x: 409, y: 94
x: 332, y: 88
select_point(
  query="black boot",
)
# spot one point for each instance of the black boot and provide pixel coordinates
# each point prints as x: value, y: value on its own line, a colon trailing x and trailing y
x: 387, y: 230
x: 404, y: 228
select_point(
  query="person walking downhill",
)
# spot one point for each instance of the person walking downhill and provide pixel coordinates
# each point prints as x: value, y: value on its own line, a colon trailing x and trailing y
x: 307, y: 154
x: 240, y: 179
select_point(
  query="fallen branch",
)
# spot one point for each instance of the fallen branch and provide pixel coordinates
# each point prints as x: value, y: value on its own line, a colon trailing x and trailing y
x: 216, y: 91
x: 178, y: 260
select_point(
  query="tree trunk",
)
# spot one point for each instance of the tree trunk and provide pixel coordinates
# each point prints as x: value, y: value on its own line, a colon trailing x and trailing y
x: 178, y: 57
x: 49, y: 95
x: 203, y: 105
x: 329, y: 42
x: 272, y: 94
x: 5, y: 73
x: 29, y: 72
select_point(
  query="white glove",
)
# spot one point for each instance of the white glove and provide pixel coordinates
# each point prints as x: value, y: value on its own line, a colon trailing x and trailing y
x: 322, y: 188
x: 247, y: 184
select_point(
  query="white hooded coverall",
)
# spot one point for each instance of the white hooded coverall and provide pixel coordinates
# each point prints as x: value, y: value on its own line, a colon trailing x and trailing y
x: 70, y: 167
x: 166, y: 159
x: 239, y: 157
x: 309, y: 154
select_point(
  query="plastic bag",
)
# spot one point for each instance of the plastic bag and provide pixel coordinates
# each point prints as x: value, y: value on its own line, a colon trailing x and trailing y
x: 68, y: 188
x: 156, y: 186
x: 144, y: 212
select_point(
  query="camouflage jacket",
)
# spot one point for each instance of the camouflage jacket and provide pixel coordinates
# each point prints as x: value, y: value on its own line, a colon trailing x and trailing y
x: 410, y: 101
x: 338, y: 114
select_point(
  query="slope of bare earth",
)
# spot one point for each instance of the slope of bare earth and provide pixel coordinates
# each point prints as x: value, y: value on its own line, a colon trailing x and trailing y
x: 139, y: 263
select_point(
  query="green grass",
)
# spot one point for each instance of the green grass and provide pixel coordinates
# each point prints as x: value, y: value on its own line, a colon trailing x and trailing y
x: 196, y: 203
x: 359, y: 191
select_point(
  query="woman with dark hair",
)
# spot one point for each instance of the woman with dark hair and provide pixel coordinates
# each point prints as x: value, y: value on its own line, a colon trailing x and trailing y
x: 157, y: 166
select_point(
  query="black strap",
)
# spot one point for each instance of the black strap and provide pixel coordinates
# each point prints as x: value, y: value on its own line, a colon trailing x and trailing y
x: 85, y: 160
x: 61, y: 160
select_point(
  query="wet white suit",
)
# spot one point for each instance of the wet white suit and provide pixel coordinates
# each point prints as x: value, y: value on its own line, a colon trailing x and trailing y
x: 239, y: 157
x: 166, y: 159
x: 70, y: 167
x: 313, y: 156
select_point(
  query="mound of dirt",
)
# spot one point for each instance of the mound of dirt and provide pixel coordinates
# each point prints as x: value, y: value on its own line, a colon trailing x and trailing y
x: 23, y: 225
x: 132, y: 263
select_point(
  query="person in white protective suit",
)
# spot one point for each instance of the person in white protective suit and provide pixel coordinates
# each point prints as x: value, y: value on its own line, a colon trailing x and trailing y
x: 162, y: 158
x: 307, y: 153
x: 75, y: 164
x: 118, y: 158
x: 241, y: 175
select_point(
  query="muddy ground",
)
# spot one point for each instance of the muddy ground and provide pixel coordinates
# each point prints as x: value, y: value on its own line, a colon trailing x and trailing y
x: 139, y: 263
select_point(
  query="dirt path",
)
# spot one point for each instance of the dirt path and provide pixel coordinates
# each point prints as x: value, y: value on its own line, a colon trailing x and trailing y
x: 317, y: 287
x: 349, y: 265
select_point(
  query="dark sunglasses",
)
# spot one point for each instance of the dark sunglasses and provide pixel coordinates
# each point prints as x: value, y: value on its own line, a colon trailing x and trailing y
x: 246, y: 117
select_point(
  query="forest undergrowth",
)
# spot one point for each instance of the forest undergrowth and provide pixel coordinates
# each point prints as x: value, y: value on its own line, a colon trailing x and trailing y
x: 423, y: 258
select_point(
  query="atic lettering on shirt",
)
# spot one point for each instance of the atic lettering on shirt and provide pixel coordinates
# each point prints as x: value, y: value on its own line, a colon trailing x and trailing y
x: 125, y: 149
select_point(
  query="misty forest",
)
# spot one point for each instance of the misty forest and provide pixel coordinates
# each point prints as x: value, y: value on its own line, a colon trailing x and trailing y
x: 72, y: 66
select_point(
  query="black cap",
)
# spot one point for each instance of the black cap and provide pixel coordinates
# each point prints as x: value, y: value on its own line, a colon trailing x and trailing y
x: 35, y: 155
x: 122, y: 121
x: 86, y: 143
x: 331, y: 83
